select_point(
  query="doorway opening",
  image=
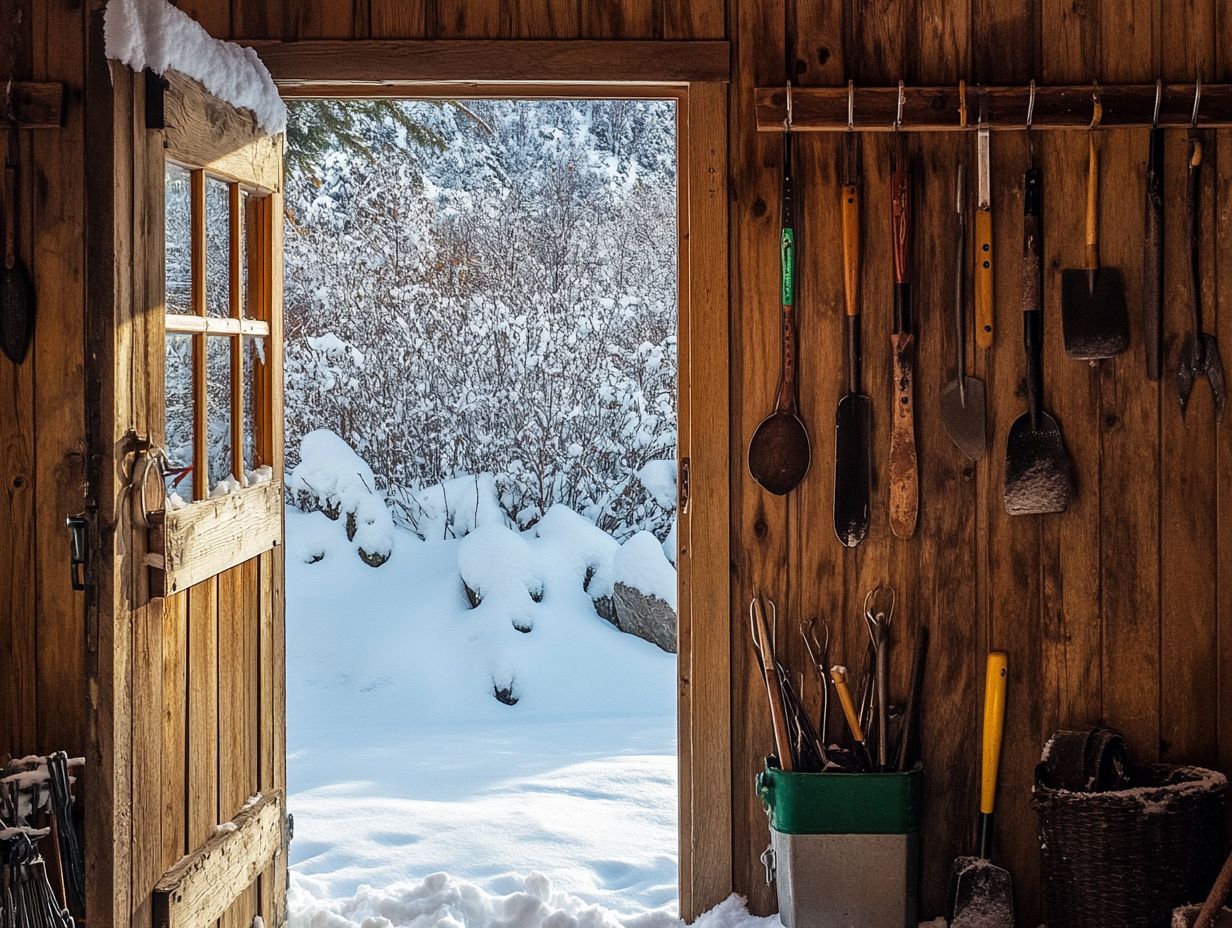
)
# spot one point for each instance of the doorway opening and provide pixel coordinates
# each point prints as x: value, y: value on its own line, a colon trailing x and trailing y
x: 481, y: 318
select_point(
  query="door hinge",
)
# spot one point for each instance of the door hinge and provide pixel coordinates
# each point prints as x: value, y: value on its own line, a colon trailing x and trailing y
x: 683, y: 492
x: 79, y: 550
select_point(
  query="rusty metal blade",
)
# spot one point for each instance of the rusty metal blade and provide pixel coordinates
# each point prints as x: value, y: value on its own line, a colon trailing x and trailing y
x: 852, y: 468
x: 1094, y: 321
x: 962, y: 412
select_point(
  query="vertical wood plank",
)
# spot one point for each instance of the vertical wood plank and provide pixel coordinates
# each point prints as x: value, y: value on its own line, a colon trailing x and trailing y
x: 278, y: 662
x: 760, y: 531
x: 175, y: 728
x: 471, y: 19
x: 1188, y: 643
x: 201, y: 798
x: 399, y: 19
x: 213, y: 15
x: 543, y: 19
x: 265, y: 708
x: 1130, y: 410
x: 1223, y: 447
x: 683, y: 19
x: 622, y: 19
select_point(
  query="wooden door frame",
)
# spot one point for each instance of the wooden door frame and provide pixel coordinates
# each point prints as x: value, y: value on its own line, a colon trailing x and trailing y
x: 696, y: 79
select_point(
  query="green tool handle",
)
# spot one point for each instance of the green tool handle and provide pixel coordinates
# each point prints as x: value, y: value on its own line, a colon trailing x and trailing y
x: 785, y: 401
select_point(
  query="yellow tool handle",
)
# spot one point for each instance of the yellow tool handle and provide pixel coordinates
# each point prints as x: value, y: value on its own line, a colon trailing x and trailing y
x: 983, y: 278
x: 851, y: 247
x: 839, y: 676
x: 994, y: 727
x: 1092, y: 203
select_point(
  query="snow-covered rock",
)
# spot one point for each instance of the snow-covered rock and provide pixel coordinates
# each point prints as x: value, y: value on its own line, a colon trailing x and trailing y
x: 499, y: 569
x: 154, y: 34
x: 637, y: 591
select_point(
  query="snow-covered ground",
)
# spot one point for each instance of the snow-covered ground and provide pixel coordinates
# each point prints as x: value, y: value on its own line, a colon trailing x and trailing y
x: 402, y: 763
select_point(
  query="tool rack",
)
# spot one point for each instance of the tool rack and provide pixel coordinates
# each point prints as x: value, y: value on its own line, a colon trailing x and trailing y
x: 952, y: 108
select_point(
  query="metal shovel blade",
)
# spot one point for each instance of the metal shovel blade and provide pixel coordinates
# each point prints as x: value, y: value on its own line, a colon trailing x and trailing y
x: 981, y: 895
x: 16, y: 312
x: 852, y: 468
x: 1038, y: 478
x: 962, y: 411
x: 779, y: 453
x: 1094, y: 321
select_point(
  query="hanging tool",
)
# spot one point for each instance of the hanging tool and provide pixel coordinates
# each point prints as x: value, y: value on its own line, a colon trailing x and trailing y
x: 1094, y: 321
x: 981, y: 894
x: 1200, y: 352
x: 763, y: 642
x: 962, y: 399
x: 904, y: 467
x: 983, y: 229
x: 878, y: 618
x: 919, y: 653
x: 779, y: 452
x: 853, y: 423
x: 1153, y: 244
x: 838, y: 673
x: 16, y: 291
x: 818, y: 649
x: 1038, y: 478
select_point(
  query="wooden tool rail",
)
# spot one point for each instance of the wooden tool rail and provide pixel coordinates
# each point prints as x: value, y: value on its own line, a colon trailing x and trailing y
x: 956, y: 109
x: 202, y: 885
x: 31, y: 105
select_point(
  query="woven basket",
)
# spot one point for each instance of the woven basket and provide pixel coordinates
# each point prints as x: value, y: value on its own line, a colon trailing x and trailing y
x: 1126, y: 859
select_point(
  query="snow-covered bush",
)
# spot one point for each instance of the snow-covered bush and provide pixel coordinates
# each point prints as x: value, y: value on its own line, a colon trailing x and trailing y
x: 503, y: 303
x: 332, y: 478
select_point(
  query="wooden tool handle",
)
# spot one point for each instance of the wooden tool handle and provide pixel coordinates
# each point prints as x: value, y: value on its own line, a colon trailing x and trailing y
x: 904, y: 468
x: 774, y: 689
x: 786, y: 399
x: 1092, y: 203
x: 10, y: 216
x: 1153, y: 258
x: 994, y: 728
x: 1218, y: 896
x: 851, y: 247
x: 900, y: 217
x: 839, y: 676
x: 983, y: 278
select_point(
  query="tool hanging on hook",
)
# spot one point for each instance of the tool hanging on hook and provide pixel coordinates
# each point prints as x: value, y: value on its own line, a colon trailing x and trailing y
x: 1153, y: 244
x: 983, y: 229
x: 904, y: 466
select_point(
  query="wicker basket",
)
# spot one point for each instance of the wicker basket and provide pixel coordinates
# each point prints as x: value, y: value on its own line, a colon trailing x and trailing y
x: 1126, y: 859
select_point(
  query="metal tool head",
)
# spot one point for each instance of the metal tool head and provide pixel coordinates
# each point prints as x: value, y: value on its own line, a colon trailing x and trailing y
x: 1200, y: 357
x: 853, y: 426
x: 1094, y: 321
x: 962, y: 411
x: 780, y: 453
x: 1038, y: 475
x: 981, y: 895
x: 879, y: 605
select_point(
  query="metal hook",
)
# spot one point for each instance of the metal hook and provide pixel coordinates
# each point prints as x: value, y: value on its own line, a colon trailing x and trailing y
x: 1159, y: 99
x: 902, y: 99
x: 1031, y: 105
x: 851, y: 106
x: 788, y: 121
x: 962, y: 104
x: 1097, y: 107
x: 1193, y: 119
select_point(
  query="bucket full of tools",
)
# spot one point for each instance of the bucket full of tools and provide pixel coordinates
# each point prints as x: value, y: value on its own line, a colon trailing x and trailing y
x: 1123, y: 844
x: 844, y: 847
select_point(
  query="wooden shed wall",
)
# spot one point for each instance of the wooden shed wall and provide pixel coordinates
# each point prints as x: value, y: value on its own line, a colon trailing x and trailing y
x: 1115, y: 610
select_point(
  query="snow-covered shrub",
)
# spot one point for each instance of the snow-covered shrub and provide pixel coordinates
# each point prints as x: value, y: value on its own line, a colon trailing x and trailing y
x: 450, y: 509
x: 331, y: 478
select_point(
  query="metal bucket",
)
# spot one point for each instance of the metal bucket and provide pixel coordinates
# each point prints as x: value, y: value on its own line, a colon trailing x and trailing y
x: 844, y: 847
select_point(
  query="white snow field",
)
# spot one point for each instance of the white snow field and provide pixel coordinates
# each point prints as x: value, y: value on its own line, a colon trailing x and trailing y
x: 403, y: 766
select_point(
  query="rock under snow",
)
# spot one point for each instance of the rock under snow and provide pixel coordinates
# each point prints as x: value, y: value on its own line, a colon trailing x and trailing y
x: 154, y: 34
x: 637, y: 591
x: 499, y: 569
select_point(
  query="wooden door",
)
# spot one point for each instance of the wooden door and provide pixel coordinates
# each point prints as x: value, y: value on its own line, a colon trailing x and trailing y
x: 186, y: 639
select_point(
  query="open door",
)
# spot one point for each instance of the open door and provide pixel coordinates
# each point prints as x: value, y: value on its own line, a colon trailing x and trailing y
x: 186, y: 631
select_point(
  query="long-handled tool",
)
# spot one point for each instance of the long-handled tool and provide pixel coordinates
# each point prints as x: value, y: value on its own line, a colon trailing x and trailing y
x: 981, y: 893
x: 779, y: 452
x: 904, y: 467
x: 16, y: 292
x: 1153, y: 246
x: 818, y: 648
x: 962, y: 399
x: 878, y: 617
x: 1200, y: 353
x: 1038, y: 478
x: 1219, y: 894
x: 983, y: 229
x: 1094, y: 321
x: 919, y: 653
x: 853, y: 422
x: 838, y: 674
x: 763, y: 641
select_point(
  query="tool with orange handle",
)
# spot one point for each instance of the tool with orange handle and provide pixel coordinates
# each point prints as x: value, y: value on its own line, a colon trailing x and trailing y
x: 904, y: 466
x: 982, y: 894
x: 983, y: 230
x: 838, y: 674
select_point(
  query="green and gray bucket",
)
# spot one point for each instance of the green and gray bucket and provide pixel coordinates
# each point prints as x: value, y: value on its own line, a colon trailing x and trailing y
x: 844, y: 847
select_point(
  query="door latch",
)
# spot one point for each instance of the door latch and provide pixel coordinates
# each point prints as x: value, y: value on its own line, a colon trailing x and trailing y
x: 683, y: 505
x: 79, y: 549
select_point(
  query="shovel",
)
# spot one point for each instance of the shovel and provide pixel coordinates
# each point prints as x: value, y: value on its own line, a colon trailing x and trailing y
x: 779, y: 452
x: 853, y: 421
x: 1094, y: 320
x: 904, y: 464
x: 981, y: 893
x: 1037, y: 469
x: 962, y: 399
x: 16, y: 293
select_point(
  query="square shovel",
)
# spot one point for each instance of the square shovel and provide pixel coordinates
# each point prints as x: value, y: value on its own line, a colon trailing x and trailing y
x: 1094, y: 321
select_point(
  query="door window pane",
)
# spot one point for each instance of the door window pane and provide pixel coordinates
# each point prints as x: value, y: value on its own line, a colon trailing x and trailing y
x: 177, y: 227
x: 178, y: 389
x: 217, y: 248
x: 218, y: 409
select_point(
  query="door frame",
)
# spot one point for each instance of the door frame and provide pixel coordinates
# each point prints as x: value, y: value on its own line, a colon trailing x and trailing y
x: 694, y: 74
